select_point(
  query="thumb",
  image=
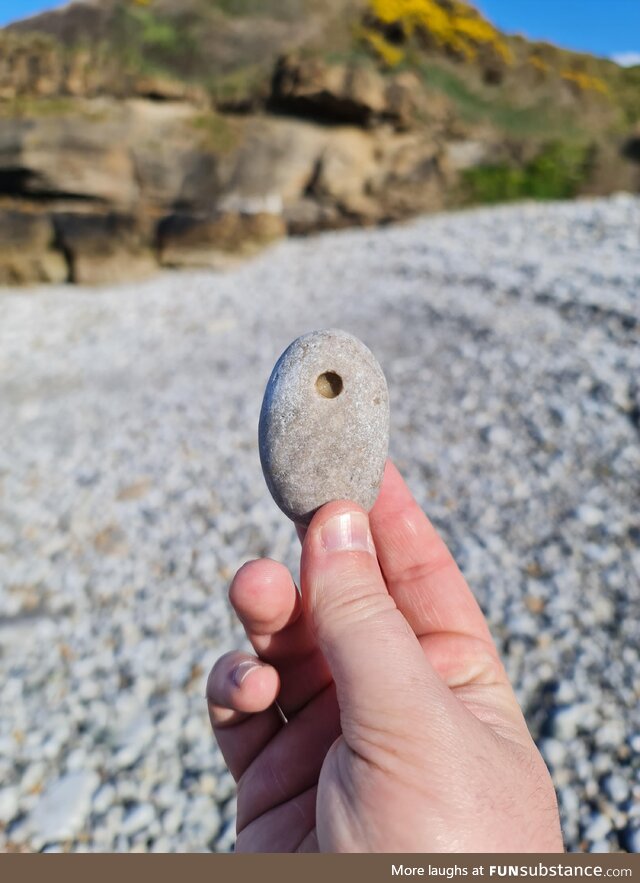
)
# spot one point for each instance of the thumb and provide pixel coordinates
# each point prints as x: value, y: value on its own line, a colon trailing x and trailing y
x: 381, y: 675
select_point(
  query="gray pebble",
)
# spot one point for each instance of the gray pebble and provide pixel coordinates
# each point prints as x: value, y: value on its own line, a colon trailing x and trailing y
x: 8, y: 804
x: 133, y: 740
x: 103, y: 798
x: 567, y: 721
x: 33, y: 777
x: 324, y: 425
x: 616, y: 788
x: 227, y: 837
x: 172, y: 821
x: 631, y: 838
x: 553, y: 751
x: 139, y: 818
x: 590, y: 515
x: 598, y: 827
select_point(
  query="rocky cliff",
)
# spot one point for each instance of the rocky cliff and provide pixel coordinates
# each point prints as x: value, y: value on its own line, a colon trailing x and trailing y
x: 134, y: 134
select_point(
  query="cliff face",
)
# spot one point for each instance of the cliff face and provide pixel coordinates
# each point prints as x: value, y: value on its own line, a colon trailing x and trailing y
x: 134, y: 134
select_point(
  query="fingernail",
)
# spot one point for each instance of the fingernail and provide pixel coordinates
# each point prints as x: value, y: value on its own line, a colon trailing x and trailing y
x: 348, y: 532
x: 242, y: 670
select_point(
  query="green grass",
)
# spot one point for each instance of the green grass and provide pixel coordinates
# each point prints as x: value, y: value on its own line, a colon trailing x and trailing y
x: 242, y: 84
x: 474, y: 106
x: 286, y: 10
x: 37, y: 107
x: 217, y: 134
x: 53, y: 106
x: 357, y: 56
x: 240, y: 7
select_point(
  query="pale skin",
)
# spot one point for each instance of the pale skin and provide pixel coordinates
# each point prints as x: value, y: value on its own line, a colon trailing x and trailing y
x: 403, y: 733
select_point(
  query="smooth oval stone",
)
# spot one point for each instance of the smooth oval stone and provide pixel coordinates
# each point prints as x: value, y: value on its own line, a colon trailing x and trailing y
x: 324, y: 425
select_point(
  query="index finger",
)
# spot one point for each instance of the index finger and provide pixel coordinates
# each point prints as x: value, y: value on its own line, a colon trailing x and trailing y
x: 420, y: 572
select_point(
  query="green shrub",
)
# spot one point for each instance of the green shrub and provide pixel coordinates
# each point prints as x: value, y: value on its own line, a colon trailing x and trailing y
x: 557, y: 172
x: 149, y: 42
x: 628, y: 87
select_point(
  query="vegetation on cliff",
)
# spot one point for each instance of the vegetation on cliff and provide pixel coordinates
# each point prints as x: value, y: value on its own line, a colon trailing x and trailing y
x: 187, y: 120
x: 229, y: 47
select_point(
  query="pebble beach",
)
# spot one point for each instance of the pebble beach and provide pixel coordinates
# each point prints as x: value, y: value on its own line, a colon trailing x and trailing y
x: 131, y: 490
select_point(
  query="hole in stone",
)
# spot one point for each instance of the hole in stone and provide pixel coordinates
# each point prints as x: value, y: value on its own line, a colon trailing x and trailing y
x: 329, y: 385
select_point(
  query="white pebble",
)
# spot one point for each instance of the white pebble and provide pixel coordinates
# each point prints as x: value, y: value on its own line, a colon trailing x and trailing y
x: 63, y: 808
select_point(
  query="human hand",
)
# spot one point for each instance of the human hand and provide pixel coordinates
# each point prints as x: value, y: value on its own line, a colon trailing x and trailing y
x: 403, y: 733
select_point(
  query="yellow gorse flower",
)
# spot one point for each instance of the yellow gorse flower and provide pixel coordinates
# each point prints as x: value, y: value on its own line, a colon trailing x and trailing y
x: 452, y: 25
x: 388, y: 54
x: 585, y: 82
x: 539, y: 63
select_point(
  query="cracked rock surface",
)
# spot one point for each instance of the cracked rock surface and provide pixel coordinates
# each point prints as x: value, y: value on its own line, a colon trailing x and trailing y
x: 131, y: 489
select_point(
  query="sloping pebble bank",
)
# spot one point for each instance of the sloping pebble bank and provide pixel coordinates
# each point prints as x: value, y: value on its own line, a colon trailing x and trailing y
x: 131, y: 489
